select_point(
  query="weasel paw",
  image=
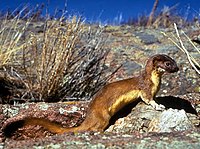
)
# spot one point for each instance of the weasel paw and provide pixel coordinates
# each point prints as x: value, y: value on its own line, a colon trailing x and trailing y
x: 156, y: 106
x: 160, y: 107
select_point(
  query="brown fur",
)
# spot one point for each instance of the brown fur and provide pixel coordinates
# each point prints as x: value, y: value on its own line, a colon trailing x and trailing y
x: 112, y: 97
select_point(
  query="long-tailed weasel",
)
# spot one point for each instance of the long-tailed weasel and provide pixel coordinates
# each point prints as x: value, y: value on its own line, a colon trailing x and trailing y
x: 111, y: 98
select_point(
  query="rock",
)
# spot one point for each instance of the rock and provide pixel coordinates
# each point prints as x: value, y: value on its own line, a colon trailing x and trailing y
x: 166, y: 48
x: 170, y: 120
x: 146, y: 38
x: 137, y: 120
x: 174, y: 140
x: 143, y: 118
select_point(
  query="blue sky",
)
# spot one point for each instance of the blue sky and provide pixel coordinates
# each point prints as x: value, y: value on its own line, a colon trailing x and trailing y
x: 108, y: 10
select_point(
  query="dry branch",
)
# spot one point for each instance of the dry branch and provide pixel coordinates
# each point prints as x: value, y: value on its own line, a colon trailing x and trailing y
x: 181, y: 46
x: 151, y: 16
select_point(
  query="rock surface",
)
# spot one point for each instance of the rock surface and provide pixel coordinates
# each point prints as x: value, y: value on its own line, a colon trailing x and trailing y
x: 171, y: 120
x: 135, y: 126
x: 175, y: 140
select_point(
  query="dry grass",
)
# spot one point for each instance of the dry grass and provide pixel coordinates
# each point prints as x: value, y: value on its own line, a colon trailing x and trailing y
x: 160, y: 18
x: 66, y: 61
x: 151, y: 16
x: 11, y: 31
x: 177, y: 40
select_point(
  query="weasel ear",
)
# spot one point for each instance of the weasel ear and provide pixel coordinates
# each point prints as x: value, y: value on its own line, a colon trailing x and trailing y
x: 151, y: 63
x: 156, y: 58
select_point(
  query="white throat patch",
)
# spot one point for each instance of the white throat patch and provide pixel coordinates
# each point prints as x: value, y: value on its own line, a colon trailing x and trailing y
x: 161, y: 69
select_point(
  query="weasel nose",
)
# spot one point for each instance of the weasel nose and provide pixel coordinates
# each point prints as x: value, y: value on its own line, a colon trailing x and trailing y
x: 176, y: 69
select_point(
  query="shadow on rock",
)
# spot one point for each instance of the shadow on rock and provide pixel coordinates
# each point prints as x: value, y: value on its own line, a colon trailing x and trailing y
x: 123, y: 112
x: 167, y: 101
x: 176, y: 103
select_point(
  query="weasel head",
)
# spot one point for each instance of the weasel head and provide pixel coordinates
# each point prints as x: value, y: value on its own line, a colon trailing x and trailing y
x: 161, y: 63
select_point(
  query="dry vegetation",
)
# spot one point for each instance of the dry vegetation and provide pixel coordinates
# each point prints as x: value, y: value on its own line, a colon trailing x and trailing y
x: 177, y: 40
x: 10, y: 34
x: 66, y: 61
x: 164, y: 17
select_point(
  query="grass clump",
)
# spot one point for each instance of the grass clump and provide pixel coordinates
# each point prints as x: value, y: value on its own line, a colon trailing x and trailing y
x: 65, y: 60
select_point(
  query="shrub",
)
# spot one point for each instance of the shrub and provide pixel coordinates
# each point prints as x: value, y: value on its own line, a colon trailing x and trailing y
x: 67, y: 60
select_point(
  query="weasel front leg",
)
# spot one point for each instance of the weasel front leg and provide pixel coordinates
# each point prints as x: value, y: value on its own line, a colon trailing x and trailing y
x: 148, y: 99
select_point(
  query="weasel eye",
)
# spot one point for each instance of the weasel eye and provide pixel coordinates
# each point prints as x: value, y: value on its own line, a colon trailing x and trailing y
x: 168, y: 64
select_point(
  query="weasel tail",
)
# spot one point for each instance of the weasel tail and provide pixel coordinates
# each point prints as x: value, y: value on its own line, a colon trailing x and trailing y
x: 47, y: 124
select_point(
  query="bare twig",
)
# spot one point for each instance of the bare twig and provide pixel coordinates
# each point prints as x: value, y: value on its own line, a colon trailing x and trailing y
x: 150, y: 20
x: 181, y: 46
